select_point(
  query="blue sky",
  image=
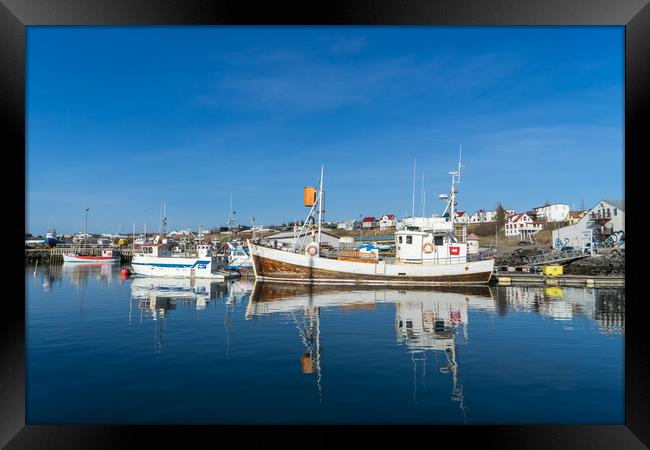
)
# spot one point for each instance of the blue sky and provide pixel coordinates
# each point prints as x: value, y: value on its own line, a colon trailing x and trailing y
x: 120, y: 119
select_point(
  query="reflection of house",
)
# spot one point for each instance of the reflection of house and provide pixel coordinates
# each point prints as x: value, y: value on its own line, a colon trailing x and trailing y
x: 604, y: 306
x: 603, y: 225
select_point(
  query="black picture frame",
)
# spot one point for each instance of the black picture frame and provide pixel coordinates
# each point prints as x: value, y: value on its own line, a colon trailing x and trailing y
x: 634, y: 15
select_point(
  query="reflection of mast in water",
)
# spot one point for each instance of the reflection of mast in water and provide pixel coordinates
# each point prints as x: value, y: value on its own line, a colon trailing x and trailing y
x: 230, y: 307
x: 309, y: 332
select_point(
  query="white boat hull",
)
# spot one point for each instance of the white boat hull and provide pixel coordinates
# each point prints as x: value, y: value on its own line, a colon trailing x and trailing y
x: 177, y: 267
x: 283, y: 266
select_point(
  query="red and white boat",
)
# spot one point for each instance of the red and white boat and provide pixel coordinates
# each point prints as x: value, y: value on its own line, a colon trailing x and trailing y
x: 107, y: 256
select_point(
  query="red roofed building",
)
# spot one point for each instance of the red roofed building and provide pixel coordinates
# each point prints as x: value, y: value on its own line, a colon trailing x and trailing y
x: 369, y: 222
x: 387, y: 221
x: 522, y: 225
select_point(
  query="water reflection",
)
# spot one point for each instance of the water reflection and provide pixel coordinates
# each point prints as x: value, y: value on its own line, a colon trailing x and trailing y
x: 80, y: 273
x: 427, y: 320
x: 52, y: 276
x: 157, y: 296
x: 605, y: 306
x: 409, y: 354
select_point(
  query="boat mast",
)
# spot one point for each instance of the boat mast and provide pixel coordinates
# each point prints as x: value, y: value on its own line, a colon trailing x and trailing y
x: 413, y: 207
x: 455, y: 178
x: 320, y: 206
x: 422, y: 194
x: 86, y: 229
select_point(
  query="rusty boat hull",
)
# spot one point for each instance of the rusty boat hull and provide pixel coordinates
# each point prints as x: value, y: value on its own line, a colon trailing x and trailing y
x: 283, y: 266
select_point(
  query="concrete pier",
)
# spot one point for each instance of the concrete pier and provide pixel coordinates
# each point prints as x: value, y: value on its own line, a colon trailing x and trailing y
x: 55, y: 254
x: 510, y: 278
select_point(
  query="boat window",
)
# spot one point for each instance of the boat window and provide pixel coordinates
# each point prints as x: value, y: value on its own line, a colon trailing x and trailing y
x: 409, y: 239
x: 437, y: 240
x: 399, y: 239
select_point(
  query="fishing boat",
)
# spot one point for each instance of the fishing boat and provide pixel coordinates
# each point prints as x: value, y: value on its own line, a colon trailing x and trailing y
x: 51, y: 239
x: 107, y: 256
x: 427, y: 253
x: 158, y: 260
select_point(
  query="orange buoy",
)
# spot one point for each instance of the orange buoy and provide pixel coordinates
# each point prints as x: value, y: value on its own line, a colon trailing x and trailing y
x: 126, y: 272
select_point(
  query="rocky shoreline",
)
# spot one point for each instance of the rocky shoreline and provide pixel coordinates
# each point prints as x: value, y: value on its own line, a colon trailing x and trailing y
x: 611, y: 264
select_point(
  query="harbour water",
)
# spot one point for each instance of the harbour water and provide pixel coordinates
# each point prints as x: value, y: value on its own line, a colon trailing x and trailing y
x: 102, y: 349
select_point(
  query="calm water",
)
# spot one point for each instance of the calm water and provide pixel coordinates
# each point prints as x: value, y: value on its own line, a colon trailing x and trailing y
x: 149, y: 350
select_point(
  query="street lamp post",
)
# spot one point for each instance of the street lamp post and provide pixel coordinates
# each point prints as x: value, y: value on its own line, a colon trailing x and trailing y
x: 86, y: 229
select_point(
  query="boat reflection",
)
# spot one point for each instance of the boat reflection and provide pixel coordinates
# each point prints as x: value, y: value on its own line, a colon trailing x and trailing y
x: 79, y: 274
x: 157, y: 296
x: 427, y: 319
x: 53, y: 275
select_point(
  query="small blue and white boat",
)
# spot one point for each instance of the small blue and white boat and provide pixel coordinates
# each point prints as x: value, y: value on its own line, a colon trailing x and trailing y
x: 157, y: 260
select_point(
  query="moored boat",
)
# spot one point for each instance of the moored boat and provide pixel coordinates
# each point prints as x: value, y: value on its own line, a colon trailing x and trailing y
x: 158, y: 260
x: 283, y: 266
x: 107, y: 256
x: 427, y: 253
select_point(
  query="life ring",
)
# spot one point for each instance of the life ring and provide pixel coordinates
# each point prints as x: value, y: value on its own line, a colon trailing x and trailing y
x: 311, y: 250
x: 428, y: 247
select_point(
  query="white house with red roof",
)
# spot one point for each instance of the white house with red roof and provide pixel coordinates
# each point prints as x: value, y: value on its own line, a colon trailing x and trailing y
x: 522, y: 225
x: 369, y: 222
x: 387, y: 221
